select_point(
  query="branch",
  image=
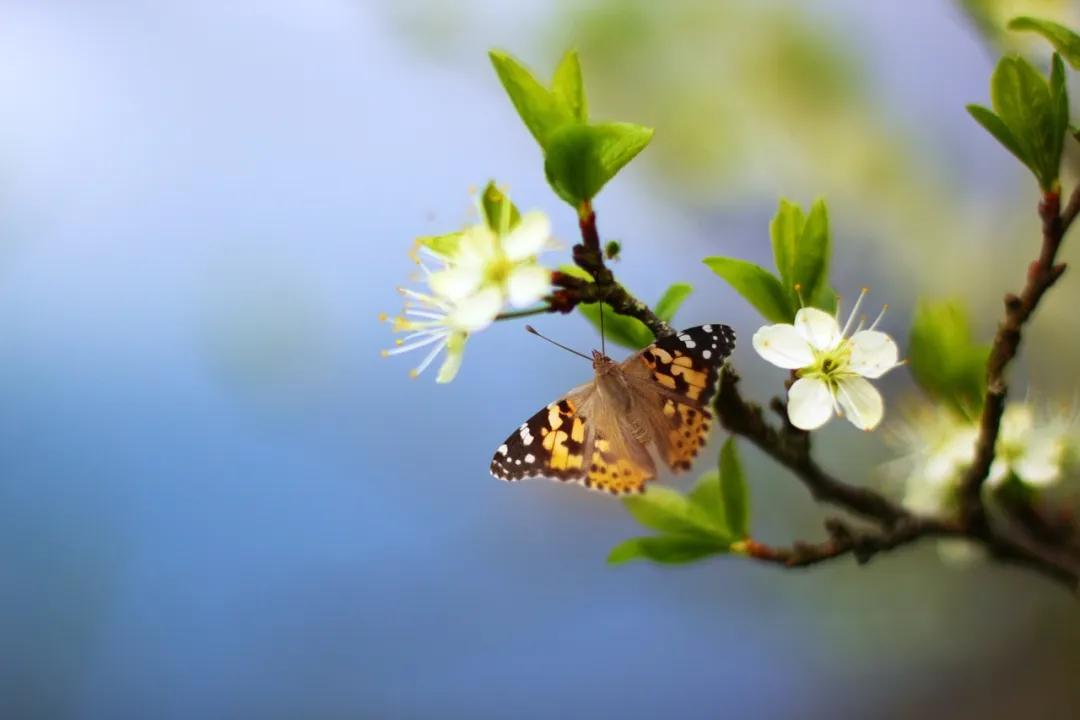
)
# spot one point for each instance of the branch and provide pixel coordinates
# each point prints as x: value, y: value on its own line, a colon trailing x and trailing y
x: 1042, y: 274
x: 895, y: 525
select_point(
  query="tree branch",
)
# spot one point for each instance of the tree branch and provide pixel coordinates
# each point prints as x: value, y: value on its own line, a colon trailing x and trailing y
x: 1042, y: 274
x: 895, y: 525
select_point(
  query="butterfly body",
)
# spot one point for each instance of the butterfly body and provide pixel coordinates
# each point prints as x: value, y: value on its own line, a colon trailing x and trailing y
x: 607, y: 434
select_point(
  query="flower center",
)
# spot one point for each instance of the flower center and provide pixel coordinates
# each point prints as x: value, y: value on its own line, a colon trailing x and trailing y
x: 498, y: 271
x: 829, y: 365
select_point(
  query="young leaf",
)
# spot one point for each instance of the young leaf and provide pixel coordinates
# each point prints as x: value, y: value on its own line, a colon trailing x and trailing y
x: 996, y: 127
x: 581, y: 159
x: 624, y: 330
x: 812, y: 256
x: 629, y: 332
x: 784, y: 230
x: 733, y: 489
x: 707, y: 497
x: 802, y: 250
x: 568, y: 87
x: 538, y: 107
x: 944, y: 360
x: 1064, y: 40
x: 672, y: 300
x: 500, y: 213
x: 666, y: 510
x: 667, y: 549
x: 445, y: 245
x: 1024, y: 103
x: 759, y: 287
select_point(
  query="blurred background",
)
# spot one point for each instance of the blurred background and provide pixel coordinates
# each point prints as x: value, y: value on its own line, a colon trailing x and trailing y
x: 217, y: 501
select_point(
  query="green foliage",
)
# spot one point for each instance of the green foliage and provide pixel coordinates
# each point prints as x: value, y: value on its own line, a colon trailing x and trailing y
x: 1064, y: 40
x: 733, y: 490
x: 445, y: 245
x: 542, y: 110
x: 757, y: 285
x: 568, y: 88
x: 624, y: 330
x: 1030, y: 115
x: 499, y: 212
x: 579, y: 157
x: 705, y: 522
x: 802, y: 249
x: 944, y: 360
x: 672, y: 300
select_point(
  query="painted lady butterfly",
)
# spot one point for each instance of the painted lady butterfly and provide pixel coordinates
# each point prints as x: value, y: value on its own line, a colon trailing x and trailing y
x: 601, y: 433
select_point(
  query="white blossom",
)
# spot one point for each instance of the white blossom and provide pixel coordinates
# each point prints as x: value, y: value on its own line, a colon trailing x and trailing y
x: 832, y: 368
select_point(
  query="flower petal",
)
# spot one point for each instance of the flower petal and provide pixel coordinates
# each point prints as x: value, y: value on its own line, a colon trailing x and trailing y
x: 475, y: 312
x: 455, y: 352
x: 873, y: 353
x: 818, y: 327
x: 810, y: 404
x: 527, y: 284
x: 1040, y: 464
x: 455, y: 283
x: 1016, y: 424
x: 478, y: 247
x: 861, y: 402
x: 783, y: 346
x: 529, y: 237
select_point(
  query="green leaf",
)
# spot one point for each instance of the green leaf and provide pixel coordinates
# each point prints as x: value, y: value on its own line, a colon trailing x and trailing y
x: 996, y: 127
x: 1059, y: 103
x: 539, y: 108
x: 943, y: 358
x: 1026, y: 105
x: 707, y: 497
x: 568, y: 88
x: 785, y: 229
x: 445, y: 245
x: 1064, y: 40
x: 581, y: 159
x: 759, y: 287
x: 733, y: 489
x: 666, y: 510
x: 667, y: 549
x: 672, y: 300
x: 802, y: 250
x: 623, y: 330
x: 500, y: 213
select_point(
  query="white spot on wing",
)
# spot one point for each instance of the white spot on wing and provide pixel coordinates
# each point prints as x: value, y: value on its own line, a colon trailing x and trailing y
x: 503, y: 449
x: 530, y: 458
x: 706, y: 354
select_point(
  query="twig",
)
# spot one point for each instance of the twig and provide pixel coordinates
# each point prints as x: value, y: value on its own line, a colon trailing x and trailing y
x: 1042, y: 274
x: 895, y: 525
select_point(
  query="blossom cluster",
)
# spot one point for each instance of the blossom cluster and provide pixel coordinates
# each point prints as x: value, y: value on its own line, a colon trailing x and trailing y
x: 470, y: 277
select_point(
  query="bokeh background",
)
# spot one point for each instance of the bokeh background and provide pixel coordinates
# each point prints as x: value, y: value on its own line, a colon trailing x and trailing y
x: 217, y: 501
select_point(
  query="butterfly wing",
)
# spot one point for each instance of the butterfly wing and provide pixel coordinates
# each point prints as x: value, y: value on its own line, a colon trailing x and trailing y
x: 577, y: 439
x: 676, y: 377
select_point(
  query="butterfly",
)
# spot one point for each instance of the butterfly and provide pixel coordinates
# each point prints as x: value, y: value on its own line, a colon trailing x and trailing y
x: 604, y: 433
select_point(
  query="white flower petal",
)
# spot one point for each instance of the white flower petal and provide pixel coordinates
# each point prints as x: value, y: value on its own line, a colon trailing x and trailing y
x: 818, y: 327
x: 1040, y: 464
x: 527, y: 284
x: 861, y: 402
x: 529, y: 237
x: 455, y: 352
x: 1016, y: 424
x: 475, y: 312
x: 873, y: 353
x: 810, y: 404
x: 455, y: 283
x: 999, y: 470
x: 783, y: 346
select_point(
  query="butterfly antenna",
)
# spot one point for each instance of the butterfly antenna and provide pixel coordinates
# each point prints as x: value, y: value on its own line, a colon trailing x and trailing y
x: 530, y: 328
x: 603, y: 343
